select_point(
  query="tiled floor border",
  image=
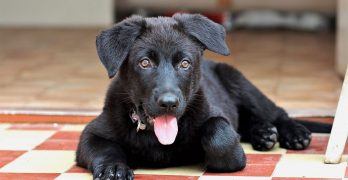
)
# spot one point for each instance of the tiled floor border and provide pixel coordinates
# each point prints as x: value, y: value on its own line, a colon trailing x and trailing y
x: 35, y: 118
x: 84, y: 116
x: 43, y: 111
x: 320, y: 112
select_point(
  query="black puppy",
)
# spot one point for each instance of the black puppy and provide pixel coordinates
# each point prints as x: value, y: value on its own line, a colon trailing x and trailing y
x: 167, y: 106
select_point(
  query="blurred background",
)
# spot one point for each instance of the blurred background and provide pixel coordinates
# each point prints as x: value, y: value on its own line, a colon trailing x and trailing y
x: 294, y: 51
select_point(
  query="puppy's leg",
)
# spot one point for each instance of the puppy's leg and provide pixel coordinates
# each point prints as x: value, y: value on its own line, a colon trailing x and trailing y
x: 263, y: 130
x: 104, y: 158
x: 292, y: 135
x: 262, y: 136
x: 263, y: 123
x: 223, y: 152
x: 259, y: 115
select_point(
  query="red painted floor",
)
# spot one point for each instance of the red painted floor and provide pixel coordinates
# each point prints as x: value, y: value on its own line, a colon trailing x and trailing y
x: 47, y: 151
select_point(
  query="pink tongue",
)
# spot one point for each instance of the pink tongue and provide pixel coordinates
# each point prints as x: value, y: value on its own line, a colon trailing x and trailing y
x: 166, y: 129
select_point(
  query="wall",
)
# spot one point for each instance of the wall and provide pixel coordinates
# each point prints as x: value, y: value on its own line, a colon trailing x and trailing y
x: 56, y: 12
x: 324, y: 6
x: 342, y: 37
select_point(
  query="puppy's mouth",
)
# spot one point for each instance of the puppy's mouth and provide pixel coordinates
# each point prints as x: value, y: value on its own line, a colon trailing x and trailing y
x: 165, y: 126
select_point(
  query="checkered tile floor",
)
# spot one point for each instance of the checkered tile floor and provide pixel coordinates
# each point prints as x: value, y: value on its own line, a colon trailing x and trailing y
x: 46, y: 151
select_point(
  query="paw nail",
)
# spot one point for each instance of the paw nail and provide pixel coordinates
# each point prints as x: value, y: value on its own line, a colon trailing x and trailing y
x: 274, y: 129
x: 269, y: 144
x: 100, y: 175
x: 298, y: 146
x: 118, y: 175
x: 265, y: 136
x: 273, y: 137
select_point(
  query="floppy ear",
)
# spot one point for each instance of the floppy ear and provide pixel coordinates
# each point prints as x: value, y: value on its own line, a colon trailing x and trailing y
x: 114, y: 44
x: 209, y: 33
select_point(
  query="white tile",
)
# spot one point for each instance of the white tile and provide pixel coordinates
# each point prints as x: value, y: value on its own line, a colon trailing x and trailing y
x: 182, y: 170
x: 73, y: 127
x: 248, y: 149
x: 41, y: 162
x: 308, y: 165
x: 233, y: 178
x: 22, y: 140
x: 4, y: 126
x: 75, y: 176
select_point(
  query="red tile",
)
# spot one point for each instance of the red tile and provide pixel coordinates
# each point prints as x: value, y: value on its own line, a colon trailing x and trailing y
x: 328, y: 120
x: 265, y: 159
x: 293, y: 178
x: 166, y: 177
x: 62, y: 140
x: 346, y: 174
x: 250, y: 170
x: 257, y: 165
x: 77, y: 169
x: 37, y: 118
x: 71, y: 135
x: 28, y: 176
x: 8, y: 156
x: 36, y: 126
x: 318, y: 146
x: 53, y: 144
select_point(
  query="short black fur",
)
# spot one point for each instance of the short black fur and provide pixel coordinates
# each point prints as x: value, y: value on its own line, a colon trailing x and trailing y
x: 215, y: 105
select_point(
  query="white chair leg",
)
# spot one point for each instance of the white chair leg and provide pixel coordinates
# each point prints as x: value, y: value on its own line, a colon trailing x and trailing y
x: 339, y: 132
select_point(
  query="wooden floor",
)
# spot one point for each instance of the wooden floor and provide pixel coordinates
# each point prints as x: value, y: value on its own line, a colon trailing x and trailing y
x: 58, y: 69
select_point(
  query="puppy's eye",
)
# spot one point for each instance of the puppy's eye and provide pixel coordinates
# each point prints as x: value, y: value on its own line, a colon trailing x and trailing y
x: 145, y: 63
x: 185, y: 63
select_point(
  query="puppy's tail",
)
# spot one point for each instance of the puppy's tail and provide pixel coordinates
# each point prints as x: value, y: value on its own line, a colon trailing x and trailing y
x: 316, y: 127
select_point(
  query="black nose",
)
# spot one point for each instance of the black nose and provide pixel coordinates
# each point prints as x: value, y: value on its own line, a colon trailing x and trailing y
x: 168, y: 101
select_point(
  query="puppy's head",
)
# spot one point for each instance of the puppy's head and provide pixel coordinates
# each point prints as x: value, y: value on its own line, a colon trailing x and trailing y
x: 158, y: 59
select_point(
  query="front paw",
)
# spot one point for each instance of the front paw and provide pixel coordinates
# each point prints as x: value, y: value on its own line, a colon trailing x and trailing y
x: 294, y: 136
x: 263, y: 137
x: 223, y: 152
x: 113, y: 171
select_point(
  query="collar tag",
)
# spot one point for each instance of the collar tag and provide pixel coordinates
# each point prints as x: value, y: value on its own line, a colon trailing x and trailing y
x: 135, y: 118
x: 141, y: 126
